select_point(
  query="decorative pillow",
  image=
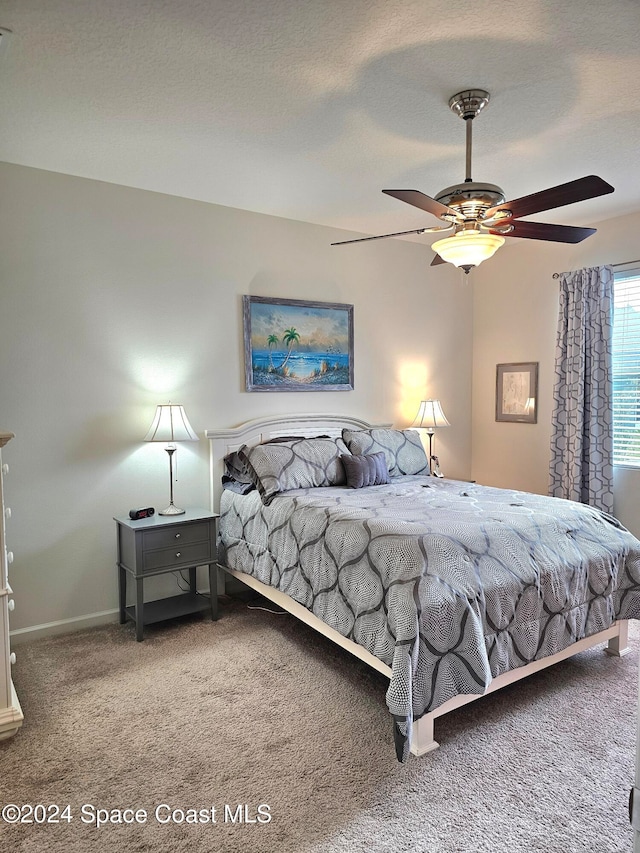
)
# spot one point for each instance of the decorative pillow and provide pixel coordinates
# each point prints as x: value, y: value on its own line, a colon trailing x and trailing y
x: 302, y: 463
x: 403, y: 450
x: 364, y: 471
x: 235, y: 469
x: 231, y: 485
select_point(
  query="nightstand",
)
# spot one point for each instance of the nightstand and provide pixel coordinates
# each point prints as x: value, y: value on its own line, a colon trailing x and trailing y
x: 161, y: 544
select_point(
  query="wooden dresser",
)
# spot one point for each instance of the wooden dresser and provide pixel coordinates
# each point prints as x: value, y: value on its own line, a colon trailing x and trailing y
x: 10, y: 712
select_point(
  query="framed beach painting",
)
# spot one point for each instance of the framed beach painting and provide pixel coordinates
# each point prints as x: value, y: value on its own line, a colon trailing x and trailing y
x: 517, y: 392
x: 296, y: 345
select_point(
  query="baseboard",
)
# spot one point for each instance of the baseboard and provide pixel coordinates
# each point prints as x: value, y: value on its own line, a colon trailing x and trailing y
x: 66, y: 626
x: 63, y: 626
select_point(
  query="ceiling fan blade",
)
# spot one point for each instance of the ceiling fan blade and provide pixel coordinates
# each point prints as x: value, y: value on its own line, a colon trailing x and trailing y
x: 424, y: 202
x: 546, y: 231
x: 395, y: 234
x: 437, y: 260
x: 579, y: 190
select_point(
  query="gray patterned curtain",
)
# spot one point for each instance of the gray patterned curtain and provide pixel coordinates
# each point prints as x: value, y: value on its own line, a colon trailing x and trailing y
x: 582, y: 433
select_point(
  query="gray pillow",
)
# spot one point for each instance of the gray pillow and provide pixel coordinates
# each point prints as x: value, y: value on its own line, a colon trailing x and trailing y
x: 235, y: 470
x: 301, y: 463
x: 403, y: 450
x: 364, y: 471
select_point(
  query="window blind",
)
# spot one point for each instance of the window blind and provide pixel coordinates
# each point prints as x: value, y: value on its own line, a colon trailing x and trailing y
x: 626, y: 368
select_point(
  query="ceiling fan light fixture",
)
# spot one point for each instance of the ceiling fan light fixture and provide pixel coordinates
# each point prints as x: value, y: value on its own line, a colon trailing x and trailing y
x: 478, y: 211
x: 467, y: 248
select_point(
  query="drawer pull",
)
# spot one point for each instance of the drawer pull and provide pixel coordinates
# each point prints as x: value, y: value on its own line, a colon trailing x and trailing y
x: 9, y: 557
x: 178, y: 554
x: 12, y: 657
x: 7, y: 512
x: 11, y: 604
x: 178, y: 535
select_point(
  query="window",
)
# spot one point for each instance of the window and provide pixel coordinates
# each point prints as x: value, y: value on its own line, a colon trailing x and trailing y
x: 626, y: 368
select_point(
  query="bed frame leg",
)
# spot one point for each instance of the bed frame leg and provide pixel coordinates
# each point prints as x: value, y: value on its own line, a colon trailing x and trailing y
x: 618, y: 646
x: 422, y: 738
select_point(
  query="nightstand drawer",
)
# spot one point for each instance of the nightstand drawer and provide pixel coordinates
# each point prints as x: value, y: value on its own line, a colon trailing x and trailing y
x: 169, y: 536
x: 178, y: 555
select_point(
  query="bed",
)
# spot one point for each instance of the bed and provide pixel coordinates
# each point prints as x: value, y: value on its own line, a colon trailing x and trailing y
x: 450, y: 589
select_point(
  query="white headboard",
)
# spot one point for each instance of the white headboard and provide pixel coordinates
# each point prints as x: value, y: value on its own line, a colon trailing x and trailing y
x: 223, y: 441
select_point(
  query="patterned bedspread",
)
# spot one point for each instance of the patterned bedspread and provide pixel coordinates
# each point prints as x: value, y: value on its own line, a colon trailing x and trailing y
x: 448, y: 583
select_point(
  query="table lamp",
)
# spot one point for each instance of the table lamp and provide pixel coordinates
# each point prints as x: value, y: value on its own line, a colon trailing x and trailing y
x: 171, y: 424
x: 430, y: 416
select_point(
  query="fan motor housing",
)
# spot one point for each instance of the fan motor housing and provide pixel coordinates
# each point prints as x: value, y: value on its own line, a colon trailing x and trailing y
x: 471, y: 199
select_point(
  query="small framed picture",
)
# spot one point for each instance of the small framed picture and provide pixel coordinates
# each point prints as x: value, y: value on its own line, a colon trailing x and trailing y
x: 517, y: 392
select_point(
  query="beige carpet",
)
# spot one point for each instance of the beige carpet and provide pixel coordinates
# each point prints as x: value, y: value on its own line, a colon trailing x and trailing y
x: 258, y: 710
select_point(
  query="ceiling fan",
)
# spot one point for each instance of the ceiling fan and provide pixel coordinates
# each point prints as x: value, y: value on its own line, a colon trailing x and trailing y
x: 478, y: 214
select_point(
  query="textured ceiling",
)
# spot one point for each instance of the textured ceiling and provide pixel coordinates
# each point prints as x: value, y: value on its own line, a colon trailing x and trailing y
x: 309, y: 108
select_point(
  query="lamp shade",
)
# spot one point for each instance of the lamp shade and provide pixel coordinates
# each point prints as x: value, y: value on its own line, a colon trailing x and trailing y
x: 430, y: 416
x: 171, y: 424
x: 467, y: 248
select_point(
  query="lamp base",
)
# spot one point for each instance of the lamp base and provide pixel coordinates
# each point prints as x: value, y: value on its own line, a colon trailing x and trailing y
x: 172, y: 510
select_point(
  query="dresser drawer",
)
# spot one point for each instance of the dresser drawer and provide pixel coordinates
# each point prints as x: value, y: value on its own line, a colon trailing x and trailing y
x: 178, y: 555
x: 169, y: 536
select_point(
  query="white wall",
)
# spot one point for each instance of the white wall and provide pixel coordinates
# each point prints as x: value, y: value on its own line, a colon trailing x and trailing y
x: 515, y: 319
x: 113, y: 300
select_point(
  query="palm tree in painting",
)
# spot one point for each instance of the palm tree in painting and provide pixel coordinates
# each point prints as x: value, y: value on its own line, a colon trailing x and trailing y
x: 272, y: 340
x: 289, y: 338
